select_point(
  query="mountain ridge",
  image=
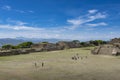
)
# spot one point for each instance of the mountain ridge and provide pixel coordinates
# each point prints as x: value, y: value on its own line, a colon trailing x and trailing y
x: 18, y: 40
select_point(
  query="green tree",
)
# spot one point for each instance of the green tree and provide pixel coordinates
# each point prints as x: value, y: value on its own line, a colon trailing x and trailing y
x: 15, y: 47
x: 97, y: 42
x: 84, y: 44
x: 25, y: 45
x: 45, y: 42
x: 7, y: 46
x: 76, y: 41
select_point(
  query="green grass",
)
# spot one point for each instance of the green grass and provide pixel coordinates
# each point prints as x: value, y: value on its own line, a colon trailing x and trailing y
x: 60, y: 66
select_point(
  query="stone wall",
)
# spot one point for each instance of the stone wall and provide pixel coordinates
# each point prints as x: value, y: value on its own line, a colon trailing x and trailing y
x: 41, y: 47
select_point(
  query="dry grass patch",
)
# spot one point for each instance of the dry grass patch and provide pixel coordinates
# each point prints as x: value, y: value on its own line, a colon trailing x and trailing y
x: 58, y: 65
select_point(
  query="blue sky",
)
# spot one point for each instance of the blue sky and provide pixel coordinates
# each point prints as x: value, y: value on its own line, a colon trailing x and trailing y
x: 62, y: 19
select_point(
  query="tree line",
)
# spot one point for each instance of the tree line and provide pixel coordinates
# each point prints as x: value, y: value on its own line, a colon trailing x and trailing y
x: 28, y: 44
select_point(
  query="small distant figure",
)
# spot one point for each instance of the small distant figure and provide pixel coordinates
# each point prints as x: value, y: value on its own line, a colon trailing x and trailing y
x: 86, y: 57
x: 72, y: 58
x: 75, y: 57
x: 42, y: 64
x: 35, y: 64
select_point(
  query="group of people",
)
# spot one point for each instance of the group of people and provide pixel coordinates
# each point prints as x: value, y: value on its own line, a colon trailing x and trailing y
x: 78, y: 57
x: 42, y: 64
x: 73, y: 58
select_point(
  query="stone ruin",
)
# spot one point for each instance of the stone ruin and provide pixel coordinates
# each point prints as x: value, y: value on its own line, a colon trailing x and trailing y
x: 113, y: 48
x: 41, y: 47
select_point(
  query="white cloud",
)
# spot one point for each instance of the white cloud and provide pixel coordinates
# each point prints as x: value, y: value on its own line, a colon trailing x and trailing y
x: 7, y: 7
x: 97, y: 16
x: 16, y: 22
x: 29, y: 32
x: 75, y: 21
x: 36, y: 32
x: 97, y: 24
x: 92, y: 11
x: 25, y: 28
x: 24, y: 11
x: 82, y: 20
x: 31, y: 11
x: 20, y: 23
x: 20, y: 11
x: 18, y: 27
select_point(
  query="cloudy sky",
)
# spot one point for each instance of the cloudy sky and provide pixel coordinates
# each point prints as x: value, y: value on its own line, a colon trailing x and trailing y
x: 62, y: 19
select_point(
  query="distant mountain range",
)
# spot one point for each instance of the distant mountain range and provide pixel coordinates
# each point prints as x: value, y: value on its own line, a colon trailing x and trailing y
x: 17, y: 40
x: 12, y: 41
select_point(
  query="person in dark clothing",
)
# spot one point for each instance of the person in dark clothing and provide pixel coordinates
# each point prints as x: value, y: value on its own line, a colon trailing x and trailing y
x: 42, y: 64
x: 35, y: 64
